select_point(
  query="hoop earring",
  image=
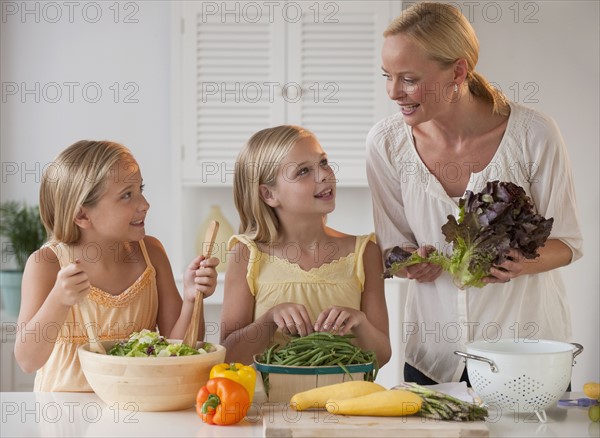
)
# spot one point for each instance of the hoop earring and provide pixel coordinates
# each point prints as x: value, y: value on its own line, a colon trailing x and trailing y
x: 456, y: 88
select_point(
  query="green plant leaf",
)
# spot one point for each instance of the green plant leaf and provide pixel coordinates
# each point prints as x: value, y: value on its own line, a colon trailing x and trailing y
x: 22, y: 228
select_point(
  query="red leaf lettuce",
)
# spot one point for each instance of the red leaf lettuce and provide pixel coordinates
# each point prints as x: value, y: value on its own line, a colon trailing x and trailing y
x: 490, y: 223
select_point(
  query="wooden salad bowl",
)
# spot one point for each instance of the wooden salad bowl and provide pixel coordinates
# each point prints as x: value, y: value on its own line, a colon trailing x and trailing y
x: 148, y: 383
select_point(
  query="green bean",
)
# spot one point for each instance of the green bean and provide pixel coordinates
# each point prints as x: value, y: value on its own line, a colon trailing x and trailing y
x: 322, y: 360
x: 296, y: 360
x: 344, y: 368
x: 316, y: 358
x: 270, y: 352
x: 353, y: 356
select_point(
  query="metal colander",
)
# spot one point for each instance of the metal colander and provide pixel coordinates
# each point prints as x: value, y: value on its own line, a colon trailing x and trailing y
x: 524, y: 375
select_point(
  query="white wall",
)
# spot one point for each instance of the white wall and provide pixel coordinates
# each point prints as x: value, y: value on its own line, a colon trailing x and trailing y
x: 557, y: 58
x: 549, y: 59
x: 69, y: 61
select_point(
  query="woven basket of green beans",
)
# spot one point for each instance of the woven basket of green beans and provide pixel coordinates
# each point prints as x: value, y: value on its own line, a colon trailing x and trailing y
x: 316, y: 354
x: 320, y: 349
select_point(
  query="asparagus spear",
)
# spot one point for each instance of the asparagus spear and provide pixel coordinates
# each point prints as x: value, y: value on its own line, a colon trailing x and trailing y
x: 440, y: 406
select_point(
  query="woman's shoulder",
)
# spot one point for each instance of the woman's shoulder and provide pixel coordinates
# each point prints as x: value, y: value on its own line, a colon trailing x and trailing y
x: 532, y: 122
x: 390, y: 132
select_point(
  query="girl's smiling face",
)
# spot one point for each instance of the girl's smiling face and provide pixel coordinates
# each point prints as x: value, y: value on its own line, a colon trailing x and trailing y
x: 121, y: 210
x: 305, y: 181
x: 420, y: 86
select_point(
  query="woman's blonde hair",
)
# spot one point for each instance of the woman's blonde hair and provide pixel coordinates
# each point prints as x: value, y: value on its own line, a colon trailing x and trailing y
x: 76, y: 178
x: 446, y: 35
x: 258, y: 163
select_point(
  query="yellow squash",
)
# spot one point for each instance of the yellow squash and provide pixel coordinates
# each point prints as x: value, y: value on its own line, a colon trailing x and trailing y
x: 390, y: 403
x: 317, y: 397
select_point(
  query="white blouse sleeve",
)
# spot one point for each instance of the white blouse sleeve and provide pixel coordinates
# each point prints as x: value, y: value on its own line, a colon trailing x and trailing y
x: 385, y: 182
x: 551, y: 181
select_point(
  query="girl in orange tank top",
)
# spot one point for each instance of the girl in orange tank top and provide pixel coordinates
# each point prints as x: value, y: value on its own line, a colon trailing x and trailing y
x: 92, y: 207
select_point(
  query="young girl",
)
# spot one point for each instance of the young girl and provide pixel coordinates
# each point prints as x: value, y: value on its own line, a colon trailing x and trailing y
x: 92, y: 206
x: 288, y: 273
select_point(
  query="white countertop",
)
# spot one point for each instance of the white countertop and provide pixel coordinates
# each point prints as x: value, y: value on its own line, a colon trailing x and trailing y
x: 28, y: 414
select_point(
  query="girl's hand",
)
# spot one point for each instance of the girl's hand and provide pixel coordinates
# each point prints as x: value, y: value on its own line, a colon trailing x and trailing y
x: 291, y: 319
x: 72, y: 284
x: 339, y: 320
x: 511, y: 268
x: 424, y: 272
x: 200, y: 276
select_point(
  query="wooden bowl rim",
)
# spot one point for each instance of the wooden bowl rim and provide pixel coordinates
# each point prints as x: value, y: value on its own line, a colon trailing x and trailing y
x: 84, y: 351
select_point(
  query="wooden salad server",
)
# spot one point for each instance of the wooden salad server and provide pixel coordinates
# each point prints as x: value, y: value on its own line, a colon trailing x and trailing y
x: 191, y: 334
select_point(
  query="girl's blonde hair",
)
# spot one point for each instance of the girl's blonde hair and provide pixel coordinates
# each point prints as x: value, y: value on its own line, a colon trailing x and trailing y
x: 76, y: 178
x: 446, y: 35
x: 258, y: 163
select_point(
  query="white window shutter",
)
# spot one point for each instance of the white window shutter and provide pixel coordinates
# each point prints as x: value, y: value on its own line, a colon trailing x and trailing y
x: 320, y: 69
x: 337, y: 60
x: 232, y: 73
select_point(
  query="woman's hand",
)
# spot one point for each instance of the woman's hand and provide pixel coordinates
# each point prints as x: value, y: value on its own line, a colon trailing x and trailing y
x: 424, y: 272
x: 200, y: 276
x: 72, y: 284
x: 291, y: 319
x: 339, y: 320
x: 511, y: 268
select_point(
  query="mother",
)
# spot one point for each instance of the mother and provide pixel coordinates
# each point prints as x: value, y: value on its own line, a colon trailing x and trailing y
x: 455, y: 132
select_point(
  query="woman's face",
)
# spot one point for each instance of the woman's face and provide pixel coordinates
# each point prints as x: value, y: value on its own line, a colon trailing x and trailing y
x: 420, y: 86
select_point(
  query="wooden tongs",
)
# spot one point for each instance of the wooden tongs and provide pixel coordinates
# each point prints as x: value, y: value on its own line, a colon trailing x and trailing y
x: 191, y: 334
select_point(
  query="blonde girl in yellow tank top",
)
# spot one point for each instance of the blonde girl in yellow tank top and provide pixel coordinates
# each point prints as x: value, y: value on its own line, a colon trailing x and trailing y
x: 92, y: 207
x: 287, y: 272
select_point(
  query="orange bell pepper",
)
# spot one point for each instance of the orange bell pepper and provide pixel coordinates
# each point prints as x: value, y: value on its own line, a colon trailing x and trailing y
x: 238, y: 372
x: 222, y: 401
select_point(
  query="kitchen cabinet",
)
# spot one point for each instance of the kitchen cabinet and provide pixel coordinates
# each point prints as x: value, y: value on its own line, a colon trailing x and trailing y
x: 246, y: 66
x: 239, y: 67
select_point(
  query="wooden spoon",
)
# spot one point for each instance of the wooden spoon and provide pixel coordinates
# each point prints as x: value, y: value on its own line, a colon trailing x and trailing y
x: 191, y: 334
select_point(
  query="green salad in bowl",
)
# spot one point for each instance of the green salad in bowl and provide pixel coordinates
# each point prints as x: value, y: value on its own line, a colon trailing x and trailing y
x: 147, y: 343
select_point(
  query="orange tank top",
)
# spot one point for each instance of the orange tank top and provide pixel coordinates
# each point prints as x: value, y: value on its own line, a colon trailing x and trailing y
x: 117, y: 316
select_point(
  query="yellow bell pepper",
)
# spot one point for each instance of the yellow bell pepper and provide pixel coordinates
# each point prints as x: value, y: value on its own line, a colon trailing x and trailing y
x: 238, y: 372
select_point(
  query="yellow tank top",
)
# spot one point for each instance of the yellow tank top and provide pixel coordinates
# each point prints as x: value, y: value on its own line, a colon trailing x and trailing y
x: 117, y: 317
x: 273, y: 281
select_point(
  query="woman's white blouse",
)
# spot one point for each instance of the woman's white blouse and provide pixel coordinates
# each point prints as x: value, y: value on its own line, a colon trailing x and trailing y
x: 410, y: 206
